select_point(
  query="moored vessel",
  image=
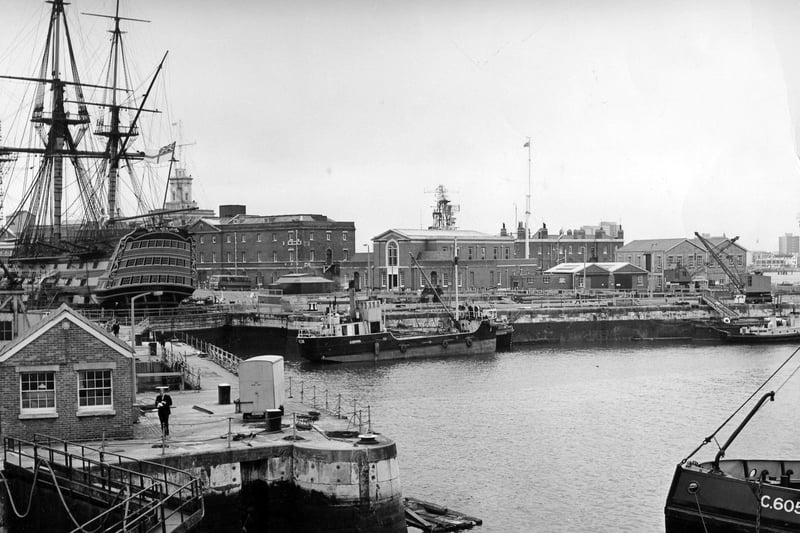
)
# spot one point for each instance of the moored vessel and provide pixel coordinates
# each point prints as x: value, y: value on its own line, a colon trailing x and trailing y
x: 775, y: 329
x: 362, y: 336
x: 79, y: 239
x: 736, y: 495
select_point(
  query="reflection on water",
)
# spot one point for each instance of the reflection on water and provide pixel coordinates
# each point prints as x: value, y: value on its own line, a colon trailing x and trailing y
x: 564, y: 439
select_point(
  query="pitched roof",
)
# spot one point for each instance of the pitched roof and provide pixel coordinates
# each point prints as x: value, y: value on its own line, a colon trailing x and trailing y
x: 443, y: 234
x: 54, y: 319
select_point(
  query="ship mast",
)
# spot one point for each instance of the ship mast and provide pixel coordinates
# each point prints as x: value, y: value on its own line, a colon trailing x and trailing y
x: 113, y: 131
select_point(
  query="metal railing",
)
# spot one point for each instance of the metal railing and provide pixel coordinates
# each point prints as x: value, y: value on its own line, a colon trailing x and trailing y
x: 156, y: 493
x: 223, y: 358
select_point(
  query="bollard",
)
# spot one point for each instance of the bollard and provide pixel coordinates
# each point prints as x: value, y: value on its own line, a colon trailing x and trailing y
x: 314, y: 399
x: 229, y: 431
x: 369, y: 419
x: 290, y: 387
x: 339, y: 408
x: 302, y: 390
x: 326, y: 400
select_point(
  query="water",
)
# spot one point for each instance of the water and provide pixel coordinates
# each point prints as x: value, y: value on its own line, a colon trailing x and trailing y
x: 578, y: 439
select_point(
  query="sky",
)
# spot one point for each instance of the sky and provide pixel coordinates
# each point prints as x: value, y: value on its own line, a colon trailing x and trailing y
x: 668, y: 117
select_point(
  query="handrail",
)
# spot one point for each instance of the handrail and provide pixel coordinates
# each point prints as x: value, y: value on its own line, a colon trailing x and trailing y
x: 721, y: 453
x: 169, y: 489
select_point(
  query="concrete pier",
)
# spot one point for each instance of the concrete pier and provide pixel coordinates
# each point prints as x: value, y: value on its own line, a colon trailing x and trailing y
x: 325, y: 478
x: 321, y: 475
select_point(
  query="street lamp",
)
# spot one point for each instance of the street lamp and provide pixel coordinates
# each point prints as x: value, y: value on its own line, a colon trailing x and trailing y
x: 132, y: 336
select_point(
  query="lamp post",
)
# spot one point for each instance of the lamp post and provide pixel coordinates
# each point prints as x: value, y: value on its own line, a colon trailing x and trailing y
x: 133, y: 335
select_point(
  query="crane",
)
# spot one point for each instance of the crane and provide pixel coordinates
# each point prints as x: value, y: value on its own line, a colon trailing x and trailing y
x: 756, y: 288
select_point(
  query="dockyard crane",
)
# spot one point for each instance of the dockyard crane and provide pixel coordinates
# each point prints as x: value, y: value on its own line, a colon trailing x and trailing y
x: 755, y: 288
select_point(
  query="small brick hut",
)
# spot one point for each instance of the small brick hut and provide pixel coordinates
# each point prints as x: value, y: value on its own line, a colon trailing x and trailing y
x: 67, y: 378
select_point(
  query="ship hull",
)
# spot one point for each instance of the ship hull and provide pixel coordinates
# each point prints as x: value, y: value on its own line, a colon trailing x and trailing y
x: 157, y: 261
x: 385, y: 346
x: 701, y: 500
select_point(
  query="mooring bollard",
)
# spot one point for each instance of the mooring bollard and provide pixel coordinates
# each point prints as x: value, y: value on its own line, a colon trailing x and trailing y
x: 290, y: 387
x: 314, y: 400
x: 302, y: 390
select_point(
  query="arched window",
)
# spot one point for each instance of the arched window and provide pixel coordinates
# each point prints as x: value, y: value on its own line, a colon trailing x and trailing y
x: 434, y: 278
x: 391, y: 253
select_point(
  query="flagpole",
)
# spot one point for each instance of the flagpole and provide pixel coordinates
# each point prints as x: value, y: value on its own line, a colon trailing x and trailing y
x: 528, y: 204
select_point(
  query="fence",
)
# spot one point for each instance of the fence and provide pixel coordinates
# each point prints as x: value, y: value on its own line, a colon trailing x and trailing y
x: 337, y: 406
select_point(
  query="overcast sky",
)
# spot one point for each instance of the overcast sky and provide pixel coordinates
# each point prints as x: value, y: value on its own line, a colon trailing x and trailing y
x: 668, y: 117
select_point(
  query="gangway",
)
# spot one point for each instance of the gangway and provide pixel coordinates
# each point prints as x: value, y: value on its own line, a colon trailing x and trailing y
x: 137, y: 496
x: 716, y: 304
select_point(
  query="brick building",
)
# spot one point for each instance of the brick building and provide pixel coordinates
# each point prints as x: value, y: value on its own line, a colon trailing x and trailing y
x: 665, y: 259
x: 67, y: 378
x: 480, y: 259
x: 591, y: 244
x: 267, y: 247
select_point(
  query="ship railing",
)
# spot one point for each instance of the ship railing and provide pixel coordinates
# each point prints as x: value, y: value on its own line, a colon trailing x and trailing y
x: 153, y: 491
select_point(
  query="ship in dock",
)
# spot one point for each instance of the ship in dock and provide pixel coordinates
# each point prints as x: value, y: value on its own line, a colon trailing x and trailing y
x: 78, y: 238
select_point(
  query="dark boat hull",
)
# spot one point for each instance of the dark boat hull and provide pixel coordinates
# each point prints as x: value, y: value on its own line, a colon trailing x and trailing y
x: 704, y: 501
x: 155, y: 260
x: 385, y: 346
x: 758, y: 339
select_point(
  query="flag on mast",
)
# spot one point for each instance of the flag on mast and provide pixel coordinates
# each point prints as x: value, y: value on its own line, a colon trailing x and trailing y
x: 527, y: 144
x: 164, y: 150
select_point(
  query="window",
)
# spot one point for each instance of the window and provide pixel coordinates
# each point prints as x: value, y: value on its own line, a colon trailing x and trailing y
x: 327, y: 235
x: 258, y: 237
x: 213, y: 257
x: 344, y: 236
x: 274, y: 237
x: 243, y: 238
x: 227, y: 257
x: 244, y: 257
x: 445, y: 279
x: 495, y: 252
x: 505, y: 252
x: 274, y: 257
x: 345, y: 254
x: 94, y: 389
x: 311, y: 255
x: 227, y: 238
x: 483, y: 252
x: 213, y: 239
x: 391, y: 254
x: 310, y: 235
x: 258, y: 257
x: 291, y: 256
x: 469, y: 253
x: 291, y: 235
x: 37, y: 392
x: 202, y: 239
x: 202, y: 258
x: 546, y: 279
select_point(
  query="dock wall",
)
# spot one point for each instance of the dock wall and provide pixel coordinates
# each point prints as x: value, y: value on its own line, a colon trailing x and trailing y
x: 297, y: 486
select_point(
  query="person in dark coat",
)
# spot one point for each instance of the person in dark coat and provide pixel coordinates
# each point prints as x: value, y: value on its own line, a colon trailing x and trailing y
x: 164, y: 404
x: 115, y: 328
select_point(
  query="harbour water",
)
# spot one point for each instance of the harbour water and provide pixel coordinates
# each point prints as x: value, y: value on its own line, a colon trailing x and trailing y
x: 565, y: 439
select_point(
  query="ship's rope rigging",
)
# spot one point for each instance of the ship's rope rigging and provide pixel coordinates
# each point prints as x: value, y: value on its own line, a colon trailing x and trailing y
x: 749, y: 398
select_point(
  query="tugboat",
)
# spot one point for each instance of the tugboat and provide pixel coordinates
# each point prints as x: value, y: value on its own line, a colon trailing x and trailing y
x: 79, y: 240
x: 361, y: 336
x: 735, y: 495
x: 775, y: 329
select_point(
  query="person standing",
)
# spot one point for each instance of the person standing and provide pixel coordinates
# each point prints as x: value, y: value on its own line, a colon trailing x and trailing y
x: 164, y: 405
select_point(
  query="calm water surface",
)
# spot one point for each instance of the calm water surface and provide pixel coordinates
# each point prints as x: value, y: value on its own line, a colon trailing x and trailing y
x: 565, y: 439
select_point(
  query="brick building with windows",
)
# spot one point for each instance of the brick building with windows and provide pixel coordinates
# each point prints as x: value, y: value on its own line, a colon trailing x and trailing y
x: 673, y: 259
x: 481, y: 259
x: 267, y: 247
x: 68, y: 378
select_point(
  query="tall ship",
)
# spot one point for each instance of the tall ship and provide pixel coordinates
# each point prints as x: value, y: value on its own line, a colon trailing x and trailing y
x: 90, y: 224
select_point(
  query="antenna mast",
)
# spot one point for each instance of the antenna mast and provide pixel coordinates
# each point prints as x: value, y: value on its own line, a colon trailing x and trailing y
x: 528, y: 203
